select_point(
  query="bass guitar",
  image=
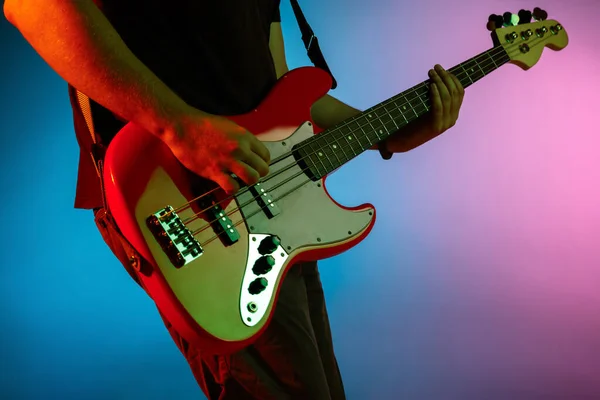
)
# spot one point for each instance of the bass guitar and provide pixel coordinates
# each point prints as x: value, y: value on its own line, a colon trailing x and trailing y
x: 217, y: 261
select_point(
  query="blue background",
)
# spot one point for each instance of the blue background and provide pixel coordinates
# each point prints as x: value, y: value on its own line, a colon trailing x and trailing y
x: 479, y: 281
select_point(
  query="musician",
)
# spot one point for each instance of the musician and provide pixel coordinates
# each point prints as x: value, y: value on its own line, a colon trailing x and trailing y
x: 175, y: 69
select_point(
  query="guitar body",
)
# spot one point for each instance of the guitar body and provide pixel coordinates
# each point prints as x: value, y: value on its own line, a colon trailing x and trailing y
x: 222, y: 299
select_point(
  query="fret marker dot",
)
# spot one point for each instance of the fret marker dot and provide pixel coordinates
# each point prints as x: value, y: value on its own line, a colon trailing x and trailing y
x: 380, y: 131
x: 349, y: 137
x: 370, y: 116
x: 404, y: 108
x: 334, y: 146
x: 320, y: 154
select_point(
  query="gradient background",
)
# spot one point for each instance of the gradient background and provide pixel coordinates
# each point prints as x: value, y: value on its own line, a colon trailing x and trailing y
x: 480, y: 280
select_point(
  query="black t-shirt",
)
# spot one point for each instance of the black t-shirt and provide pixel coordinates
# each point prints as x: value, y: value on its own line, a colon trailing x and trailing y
x: 213, y: 54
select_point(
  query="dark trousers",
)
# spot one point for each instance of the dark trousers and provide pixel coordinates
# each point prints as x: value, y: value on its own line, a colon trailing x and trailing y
x: 293, y: 359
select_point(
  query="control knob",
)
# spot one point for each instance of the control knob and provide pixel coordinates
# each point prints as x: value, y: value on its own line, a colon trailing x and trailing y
x: 263, y: 265
x: 268, y: 245
x: 258, y: 285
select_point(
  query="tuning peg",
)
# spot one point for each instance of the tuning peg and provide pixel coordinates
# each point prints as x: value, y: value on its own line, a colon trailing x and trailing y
x: 524, y: 17
x: 498, y: 20
x: 539, y: 14
x: 491, y: 25
x: 510, y: 19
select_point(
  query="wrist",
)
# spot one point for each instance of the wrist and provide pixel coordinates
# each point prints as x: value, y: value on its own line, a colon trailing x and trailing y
x: 166, y: 120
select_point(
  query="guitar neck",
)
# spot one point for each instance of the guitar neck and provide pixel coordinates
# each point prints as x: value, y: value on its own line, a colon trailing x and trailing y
x: 335, y: 146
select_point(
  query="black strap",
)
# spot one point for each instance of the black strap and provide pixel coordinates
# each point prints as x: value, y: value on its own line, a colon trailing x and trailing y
x: 311, y: 43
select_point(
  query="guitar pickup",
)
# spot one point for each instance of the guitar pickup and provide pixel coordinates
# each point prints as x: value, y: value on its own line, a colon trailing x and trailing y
x: 265, y: 200
x: 223, y: 225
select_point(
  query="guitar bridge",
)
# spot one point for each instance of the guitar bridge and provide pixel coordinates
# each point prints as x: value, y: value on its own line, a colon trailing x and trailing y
x: 174, y: 237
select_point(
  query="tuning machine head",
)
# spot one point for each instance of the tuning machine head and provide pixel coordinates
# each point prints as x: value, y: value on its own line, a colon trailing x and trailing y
x: 539, y: 14
x: 509, y: 19
x: 495, y: 22
x: 524, y: 17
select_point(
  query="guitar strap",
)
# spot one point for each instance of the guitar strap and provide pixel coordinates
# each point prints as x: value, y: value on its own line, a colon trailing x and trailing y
x: 311, y: 43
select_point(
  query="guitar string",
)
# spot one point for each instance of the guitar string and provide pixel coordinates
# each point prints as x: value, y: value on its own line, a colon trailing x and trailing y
x: 286, y: 155
x: 208, y: 241
x: 421, y: 97
x: 301, y: 172
x: 342, y: 125
x: 484, y: 65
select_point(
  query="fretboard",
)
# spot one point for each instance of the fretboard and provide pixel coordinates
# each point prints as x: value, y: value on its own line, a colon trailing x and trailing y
x: 335, y: 146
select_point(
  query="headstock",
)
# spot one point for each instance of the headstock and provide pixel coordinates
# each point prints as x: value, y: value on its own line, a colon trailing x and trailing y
x: 524, y: 40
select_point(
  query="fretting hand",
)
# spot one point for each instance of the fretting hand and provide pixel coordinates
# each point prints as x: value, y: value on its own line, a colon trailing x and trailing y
x: 446, y: 94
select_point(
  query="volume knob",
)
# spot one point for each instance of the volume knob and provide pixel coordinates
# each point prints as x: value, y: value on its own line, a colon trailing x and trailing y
x: 258, y: 285
x: 268, y: 245
x: 263, y: 265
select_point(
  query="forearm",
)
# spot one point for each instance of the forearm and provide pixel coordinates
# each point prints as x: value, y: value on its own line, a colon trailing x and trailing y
x: 329, y: 111
x: 80, y: 44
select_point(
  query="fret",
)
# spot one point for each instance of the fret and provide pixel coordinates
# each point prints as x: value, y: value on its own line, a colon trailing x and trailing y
x: 334, y: 147
x: 340, y: 143
x: 354, y: 127
x: 490, y: 67
x: 493, y: 61
x: 325, y: 152
x: 409, y: 103
x: 481, y: 69
x: 380, y: 130
x: 348, y: 138
x: 344, y: 144
x: 473, y: 72
x: 424, y: 104
x: 373, y: 122
x: 401, y: 112
x: 385, y: 120
x: 314, y: 155
x: 375, y: 125
x: 468, y: 76
x: 369, y: 130
x: 308, y: 158
x: 398, y: 111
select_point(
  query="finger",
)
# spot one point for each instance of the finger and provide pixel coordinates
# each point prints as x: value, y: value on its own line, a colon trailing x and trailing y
x: 450, y: 87
x: 442, y: 89
x: 457, y: 102
x: 259, y: 148
x: 226, y: 182
x: 255, y: 162
x: 246, y: 173
x: 448, y: 81
x: 437, y: 109
x: 458, y: 99
x: 459, y: 86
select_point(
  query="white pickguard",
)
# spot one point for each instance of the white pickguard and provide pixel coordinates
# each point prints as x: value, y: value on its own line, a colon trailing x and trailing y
x: 254, y: 306
x: 308, y: 218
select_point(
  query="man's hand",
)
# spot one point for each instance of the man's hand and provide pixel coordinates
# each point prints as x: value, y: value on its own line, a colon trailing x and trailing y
x: 446, y: 98
x: 446, y: 94
x: 215, y: 147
